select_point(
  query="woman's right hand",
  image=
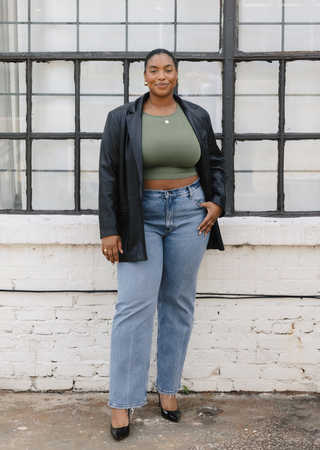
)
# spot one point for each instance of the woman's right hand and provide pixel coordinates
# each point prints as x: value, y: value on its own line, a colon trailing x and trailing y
x: 111, y: 246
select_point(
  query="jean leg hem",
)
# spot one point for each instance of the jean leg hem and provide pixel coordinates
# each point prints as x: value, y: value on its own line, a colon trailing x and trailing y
x: 161, y: 391
x: 132, y: 406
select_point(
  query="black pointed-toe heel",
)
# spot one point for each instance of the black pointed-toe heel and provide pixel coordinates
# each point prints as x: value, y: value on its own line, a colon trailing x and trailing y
x: 173, y: 416
x: 122, y: 432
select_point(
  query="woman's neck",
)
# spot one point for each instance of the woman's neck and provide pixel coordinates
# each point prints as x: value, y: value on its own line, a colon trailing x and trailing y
x: 161, y: 102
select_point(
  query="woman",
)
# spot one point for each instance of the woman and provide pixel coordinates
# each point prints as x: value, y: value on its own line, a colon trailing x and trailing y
x: 162, y: 189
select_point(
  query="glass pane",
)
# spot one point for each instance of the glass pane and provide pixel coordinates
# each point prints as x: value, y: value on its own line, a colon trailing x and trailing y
x: 14, y: 38
x: 151, y: 10
x: 302, y: 114
x: 255, y: 191
x: 12, y: 175
x: 260, y: 11
x: 302, y: 10
x: 302, y: 37
x: 102, y: 11
x: 137, y: 86
x: 53, y: 114
x: 260, y: 38
x: 104, y: 38
x: 302, y: 175
x: 90, y: 151
x: 12, y: 113
x: 22, y: 11
x: 258, y: 77
x: 302, y: 191
x: 198, y: 38
x: 213, y: 105
x: 53, y: 175
x: 101, y: 77
x: 56, y: 77
x: 15, y: 11
x: 12, y: 105
x: 146, y: 37
x: 256, y: 114
x: 199, y: 11
x: 53, y: 11
x: 202, y: 78
x: 256, y: 101
x: 256, y: 156
x: 53, y: 38
x: 302, y: 77
x: 255, y: 164
x: 94, y: 111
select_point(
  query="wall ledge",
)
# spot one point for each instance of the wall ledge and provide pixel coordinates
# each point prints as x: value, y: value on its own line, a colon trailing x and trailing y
x: 84, y: 230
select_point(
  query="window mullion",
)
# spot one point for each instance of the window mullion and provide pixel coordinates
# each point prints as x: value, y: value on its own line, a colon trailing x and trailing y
x: 228, y: 47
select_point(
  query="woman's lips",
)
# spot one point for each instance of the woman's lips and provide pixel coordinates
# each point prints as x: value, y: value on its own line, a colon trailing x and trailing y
x: 162, y: 85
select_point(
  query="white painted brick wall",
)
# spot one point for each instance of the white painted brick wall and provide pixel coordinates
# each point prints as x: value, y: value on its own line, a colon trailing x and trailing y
x: 61, y: 341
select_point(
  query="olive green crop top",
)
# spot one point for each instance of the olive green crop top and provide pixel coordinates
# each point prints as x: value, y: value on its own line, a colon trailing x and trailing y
x: 169, y: 151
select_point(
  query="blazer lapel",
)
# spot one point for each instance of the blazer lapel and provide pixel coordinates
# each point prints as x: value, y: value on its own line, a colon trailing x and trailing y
x: 134, y: 124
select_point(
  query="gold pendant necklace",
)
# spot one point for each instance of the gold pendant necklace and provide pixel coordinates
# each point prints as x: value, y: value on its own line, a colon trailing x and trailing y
x: 165, y: 117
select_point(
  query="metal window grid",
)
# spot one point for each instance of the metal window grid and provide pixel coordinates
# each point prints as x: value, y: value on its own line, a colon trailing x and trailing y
x: 229, y: 57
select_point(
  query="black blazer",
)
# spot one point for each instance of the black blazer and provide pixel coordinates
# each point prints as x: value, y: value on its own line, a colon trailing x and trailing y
x: 121, y: 175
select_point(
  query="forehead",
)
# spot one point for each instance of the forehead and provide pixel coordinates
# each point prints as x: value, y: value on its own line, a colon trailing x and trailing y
x: 160, y: 60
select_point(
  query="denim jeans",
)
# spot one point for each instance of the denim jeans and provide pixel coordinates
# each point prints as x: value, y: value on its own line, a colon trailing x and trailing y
x: 167, y: 280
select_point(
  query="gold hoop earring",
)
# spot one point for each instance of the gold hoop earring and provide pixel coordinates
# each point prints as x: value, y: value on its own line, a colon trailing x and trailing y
x: 145, y: 83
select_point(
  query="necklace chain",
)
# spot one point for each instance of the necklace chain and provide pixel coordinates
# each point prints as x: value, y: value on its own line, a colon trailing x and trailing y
x: 165, y: 117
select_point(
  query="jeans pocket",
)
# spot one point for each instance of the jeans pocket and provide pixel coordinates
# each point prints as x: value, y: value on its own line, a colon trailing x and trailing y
x: 198, y: 197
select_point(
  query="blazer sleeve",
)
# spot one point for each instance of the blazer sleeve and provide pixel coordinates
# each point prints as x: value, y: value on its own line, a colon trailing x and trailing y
x: 218, y: 175
x: 108, y: 177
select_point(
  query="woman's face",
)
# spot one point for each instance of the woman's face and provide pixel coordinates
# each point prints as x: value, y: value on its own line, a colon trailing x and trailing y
x: 161, y: 75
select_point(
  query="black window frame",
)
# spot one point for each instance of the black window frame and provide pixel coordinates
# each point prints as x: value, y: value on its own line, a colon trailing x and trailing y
x: 229, y: 56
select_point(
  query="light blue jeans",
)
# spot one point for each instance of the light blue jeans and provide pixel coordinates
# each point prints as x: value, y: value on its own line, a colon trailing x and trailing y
x: 167, y: 280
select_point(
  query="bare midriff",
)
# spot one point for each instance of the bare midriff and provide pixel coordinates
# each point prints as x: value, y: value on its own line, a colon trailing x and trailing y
x: 165, y: 185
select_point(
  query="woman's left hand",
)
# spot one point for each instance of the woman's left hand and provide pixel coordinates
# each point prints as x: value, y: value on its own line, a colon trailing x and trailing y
x: 214, y: 211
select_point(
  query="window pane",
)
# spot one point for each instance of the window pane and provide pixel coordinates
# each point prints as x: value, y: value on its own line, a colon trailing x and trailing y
x: 137, y: 86
x: 53, y: 10
x: 258, y: 77
x: 199, y: 11
x: 94, y: 111
x: 302, y: 10
x: 101, y: 77
x: 89, y: 174
x: 302, y: 37
x: 302, y: 77
x: 12, y: 175
x: 53, y: 114
x: 105, y: 38
x: 256, y: 176
x: 53, y: 38
x: 302, y: 114
x: 256, y: 101
x: 151, y: 10
x: 260, y: 11
x: 12, y: 105
x: 303, y: 96
x: 260, y: 38
x: 302, y: 175
x: 14, y: 38
x: 198, y: 38
x: 102, y: 11
x: 201, y: 78
x: 56, y: 77
x: 53, y: 175
x: 146, y: 37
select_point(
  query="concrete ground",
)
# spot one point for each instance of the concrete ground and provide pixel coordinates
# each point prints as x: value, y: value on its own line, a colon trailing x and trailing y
x: 80, y: 421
